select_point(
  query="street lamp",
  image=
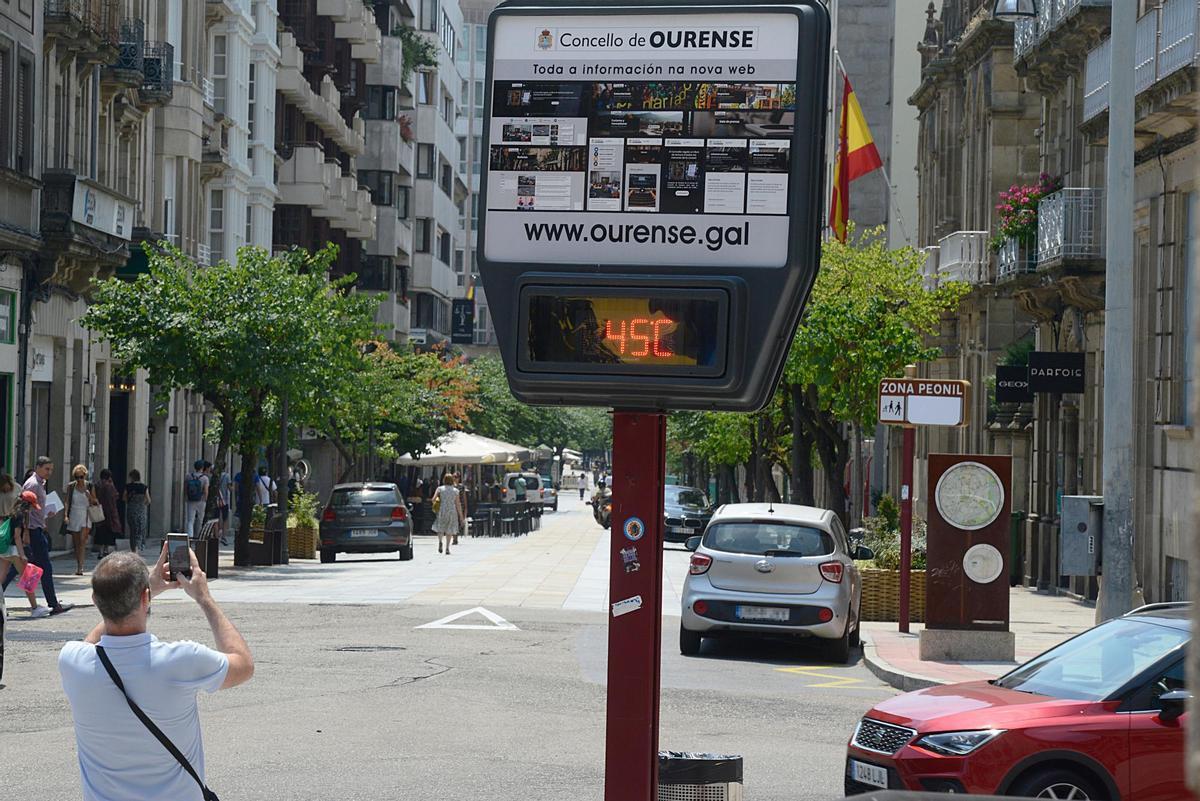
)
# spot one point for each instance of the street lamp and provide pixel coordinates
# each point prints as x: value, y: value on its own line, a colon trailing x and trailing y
x: 1014, y: 10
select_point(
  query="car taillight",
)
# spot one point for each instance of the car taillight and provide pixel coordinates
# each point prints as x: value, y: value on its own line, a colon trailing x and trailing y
x: 700, y: 563
x: 399, y: 513
x: 700, y: 607
x: 503, y: 491
x: 825, y: 615
x: 833, y: 571
x: 328, y: 516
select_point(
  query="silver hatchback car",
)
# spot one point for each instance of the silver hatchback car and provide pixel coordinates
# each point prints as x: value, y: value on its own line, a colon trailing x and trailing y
x: 775, y: 570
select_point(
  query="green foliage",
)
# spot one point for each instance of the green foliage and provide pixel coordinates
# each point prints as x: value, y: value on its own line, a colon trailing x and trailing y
x: 304, y: 508
x: 258, y: 516
x: 883, y: 538
x: 1018, y: 208
x: 889, y: 512
x: 417, y: 50
x: 1017, y: 353
x: 499, y: 415
x: 720, y: 437
x: 866, y: 319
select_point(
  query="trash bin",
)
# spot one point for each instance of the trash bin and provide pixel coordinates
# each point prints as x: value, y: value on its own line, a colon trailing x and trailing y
x: 684, y: 776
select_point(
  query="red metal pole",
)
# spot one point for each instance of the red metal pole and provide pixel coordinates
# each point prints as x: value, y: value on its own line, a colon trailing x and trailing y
x: 635, y: 607
x: 906, y: 519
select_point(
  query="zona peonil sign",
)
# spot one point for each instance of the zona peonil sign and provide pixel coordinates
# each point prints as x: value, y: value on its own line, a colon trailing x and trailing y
x: 924, y: 402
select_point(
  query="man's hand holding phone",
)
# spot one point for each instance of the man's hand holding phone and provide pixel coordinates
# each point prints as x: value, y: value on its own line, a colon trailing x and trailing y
x: 160, y: 575
x: 195, y: 585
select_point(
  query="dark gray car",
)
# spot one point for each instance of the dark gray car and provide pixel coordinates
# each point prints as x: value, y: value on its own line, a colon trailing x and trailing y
x: 686, y: 512
x: 366, y: 518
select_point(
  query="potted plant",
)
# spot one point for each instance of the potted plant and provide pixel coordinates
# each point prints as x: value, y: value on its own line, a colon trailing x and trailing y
x: 881, y: 576
x: 302, y: 526
x: 1018, y: 208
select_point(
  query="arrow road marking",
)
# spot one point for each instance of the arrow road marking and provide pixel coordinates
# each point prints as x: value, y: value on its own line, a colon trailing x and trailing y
x: 497, y: 623
x: 815, y: 672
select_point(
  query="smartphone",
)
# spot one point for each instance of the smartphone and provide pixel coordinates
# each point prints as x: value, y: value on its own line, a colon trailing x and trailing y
x: 179, y: 556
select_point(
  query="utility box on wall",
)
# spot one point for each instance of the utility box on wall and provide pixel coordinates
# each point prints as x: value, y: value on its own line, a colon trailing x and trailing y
x: 1081, y: 532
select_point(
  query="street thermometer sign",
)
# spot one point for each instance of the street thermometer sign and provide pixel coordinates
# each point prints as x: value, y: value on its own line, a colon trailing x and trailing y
x: 650, y: 197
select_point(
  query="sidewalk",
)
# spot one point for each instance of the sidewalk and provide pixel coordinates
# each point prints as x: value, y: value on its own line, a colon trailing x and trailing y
x: 1039, y: 622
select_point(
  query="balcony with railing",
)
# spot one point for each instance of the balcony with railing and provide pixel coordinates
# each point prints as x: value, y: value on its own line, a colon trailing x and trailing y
x: 90, y: 28
x: 158, y: 74
x: 1015, y: 259
x: 126, y: 71
x: 963, y: 256
x: 929, y: 270
x: 1061, y: 28
x: 204, y: 254
x: 1070, y: 227
x: 323, y: 108
x: 1165, y: 45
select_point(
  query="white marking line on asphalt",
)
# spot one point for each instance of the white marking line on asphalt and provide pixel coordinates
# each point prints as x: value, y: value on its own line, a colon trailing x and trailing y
x: 497, y: 623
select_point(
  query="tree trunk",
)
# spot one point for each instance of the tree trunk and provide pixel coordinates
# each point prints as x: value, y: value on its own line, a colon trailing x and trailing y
x: 214, y: 484
x: 856, y: 475
x: 241, y: 544
x: 731, y: 489
x: 801, y: 452
x: 767, y: 489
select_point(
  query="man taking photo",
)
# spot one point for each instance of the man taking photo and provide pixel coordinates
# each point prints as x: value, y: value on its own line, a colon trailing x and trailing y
x: 121, y: 757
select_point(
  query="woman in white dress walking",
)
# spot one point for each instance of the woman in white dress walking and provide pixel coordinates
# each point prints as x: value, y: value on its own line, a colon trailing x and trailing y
x: 449, y: 514
x: 80, y: 496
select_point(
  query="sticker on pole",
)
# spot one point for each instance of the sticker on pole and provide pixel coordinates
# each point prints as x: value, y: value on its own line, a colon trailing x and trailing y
x: 628, y: 605
x: 635, y: 529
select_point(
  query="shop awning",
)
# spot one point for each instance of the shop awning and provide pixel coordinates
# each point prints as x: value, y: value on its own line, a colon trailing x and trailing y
x: 459, y: 447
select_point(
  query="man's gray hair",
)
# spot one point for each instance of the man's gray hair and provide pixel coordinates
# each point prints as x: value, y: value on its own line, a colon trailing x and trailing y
x: 118, y: 583
x: 42, y: 461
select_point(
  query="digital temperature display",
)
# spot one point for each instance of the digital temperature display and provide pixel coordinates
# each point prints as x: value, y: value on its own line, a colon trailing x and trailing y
x: 673, y: 330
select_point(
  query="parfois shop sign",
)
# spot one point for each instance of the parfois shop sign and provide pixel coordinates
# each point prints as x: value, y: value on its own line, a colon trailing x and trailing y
x: 924, y: 402
x: 1056, y: 373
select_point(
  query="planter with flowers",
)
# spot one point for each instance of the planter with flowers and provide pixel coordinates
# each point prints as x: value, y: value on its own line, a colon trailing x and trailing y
x: 1016, y: 236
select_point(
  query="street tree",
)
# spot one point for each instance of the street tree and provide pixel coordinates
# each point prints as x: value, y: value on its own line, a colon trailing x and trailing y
x: 869, y: 315
x: 244, y: 334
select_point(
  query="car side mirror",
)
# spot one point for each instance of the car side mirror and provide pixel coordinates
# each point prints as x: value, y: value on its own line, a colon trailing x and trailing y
x: 863, y: 554
x: 1173, y: 705
x: 692, y: 543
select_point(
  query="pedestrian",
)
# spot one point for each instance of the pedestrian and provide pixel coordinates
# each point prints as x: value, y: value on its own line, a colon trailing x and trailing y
x: 224, y: 483
x: 37, y: 547
x: 462, y: 506
x: 109, y: 529
x: 132, y: 694
x: 12, y: 510
x: 81, y: 497
x: 195, y: 488
x: 264, y: 488
x: 137, y: 510
x: 495, y: 491
x: 448, y: 515
x: 582, y: 479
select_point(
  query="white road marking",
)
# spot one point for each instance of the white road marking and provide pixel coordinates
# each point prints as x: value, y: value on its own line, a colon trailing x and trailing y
x: 497, y: 623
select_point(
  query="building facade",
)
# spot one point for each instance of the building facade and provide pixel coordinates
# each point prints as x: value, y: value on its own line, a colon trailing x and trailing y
x: 1008, y: 105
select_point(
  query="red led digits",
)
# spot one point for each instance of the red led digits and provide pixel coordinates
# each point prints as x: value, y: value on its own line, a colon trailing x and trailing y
x: 639, y: 337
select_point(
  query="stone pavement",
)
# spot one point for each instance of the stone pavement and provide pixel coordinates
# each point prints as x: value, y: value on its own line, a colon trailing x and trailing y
x: 1039, y: 621
x: 563, y: 565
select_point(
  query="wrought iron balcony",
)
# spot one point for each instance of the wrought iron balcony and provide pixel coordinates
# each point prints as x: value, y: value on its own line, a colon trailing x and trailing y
x: 1028, y: 34
x: 158, y: 84
x: 963, y: 256
x: 1014, y: 259
x: 89, y: 26
x: 127, y: 69
x: 1165, y: 43
x: 1071, y: 226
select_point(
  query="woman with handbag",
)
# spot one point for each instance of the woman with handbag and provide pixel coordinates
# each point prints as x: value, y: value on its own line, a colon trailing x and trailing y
x: 108, y: 529
x: 82, y: 511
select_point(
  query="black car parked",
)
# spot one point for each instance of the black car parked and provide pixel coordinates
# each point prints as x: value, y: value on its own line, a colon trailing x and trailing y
x: 687, y: 511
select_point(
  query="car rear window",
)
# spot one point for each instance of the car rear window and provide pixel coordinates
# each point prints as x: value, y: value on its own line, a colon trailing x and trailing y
x: 363, y: 497
x: 761, y: 538
x: 531, y: 482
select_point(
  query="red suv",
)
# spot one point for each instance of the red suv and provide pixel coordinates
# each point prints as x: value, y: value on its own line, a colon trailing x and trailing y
x: 1101, y: 716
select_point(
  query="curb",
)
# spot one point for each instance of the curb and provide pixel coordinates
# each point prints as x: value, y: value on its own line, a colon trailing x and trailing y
x: 899, y: 679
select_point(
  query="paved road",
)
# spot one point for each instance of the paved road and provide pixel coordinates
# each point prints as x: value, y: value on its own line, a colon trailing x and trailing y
x: 352, y: 700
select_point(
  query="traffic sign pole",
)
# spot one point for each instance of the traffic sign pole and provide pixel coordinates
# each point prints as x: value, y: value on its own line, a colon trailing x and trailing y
x: 635, y: 607
x: 906, y: 520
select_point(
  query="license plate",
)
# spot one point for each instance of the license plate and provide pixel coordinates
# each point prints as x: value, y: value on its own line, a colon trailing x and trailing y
x: 869, y: 774
x: 763, y: 613
x: 680, y: 530
x: 364, y: 533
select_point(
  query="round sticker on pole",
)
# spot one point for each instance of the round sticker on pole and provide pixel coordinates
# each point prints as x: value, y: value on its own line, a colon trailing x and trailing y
x: 635, y: 529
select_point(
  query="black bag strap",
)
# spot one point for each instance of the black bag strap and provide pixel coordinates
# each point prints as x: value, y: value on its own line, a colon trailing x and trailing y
x: 209, y: 795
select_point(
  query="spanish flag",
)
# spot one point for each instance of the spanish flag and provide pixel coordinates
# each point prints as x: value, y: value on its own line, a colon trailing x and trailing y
x: 856, y: 157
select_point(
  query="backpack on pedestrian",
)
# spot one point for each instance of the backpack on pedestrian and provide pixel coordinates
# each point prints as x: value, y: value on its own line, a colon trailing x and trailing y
x: 195, y: 487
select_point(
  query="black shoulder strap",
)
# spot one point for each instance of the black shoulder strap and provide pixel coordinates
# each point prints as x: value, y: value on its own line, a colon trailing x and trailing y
x: 209, y: 795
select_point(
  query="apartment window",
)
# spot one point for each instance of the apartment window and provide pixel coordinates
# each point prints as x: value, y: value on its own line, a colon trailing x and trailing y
x: 476, y: 154
x: 480, y: 43
x: 218, y: 69
x: 474, y: 211
x: 421, y: 236
x: 481, y: 325
x: 249, y: 237
x: 447, y: 179
x: 376, y: 273
x: 424, y: 160
x: 379, y: 184
x: 478, y: 97
x: 462, y: 154
x: 401, y: 204
x: 448, y: 36
x: 216, y: 223
x: 448, y: 110
x: 8, y: 313
x: 425, y: 85
x: 443, y: 246
x: 429, y: 15
x: 6, y: 107
x: 381, y: 103
x: 458, y: 260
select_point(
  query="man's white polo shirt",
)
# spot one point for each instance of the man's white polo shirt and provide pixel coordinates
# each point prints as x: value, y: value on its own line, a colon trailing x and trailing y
x: 119, y: 759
